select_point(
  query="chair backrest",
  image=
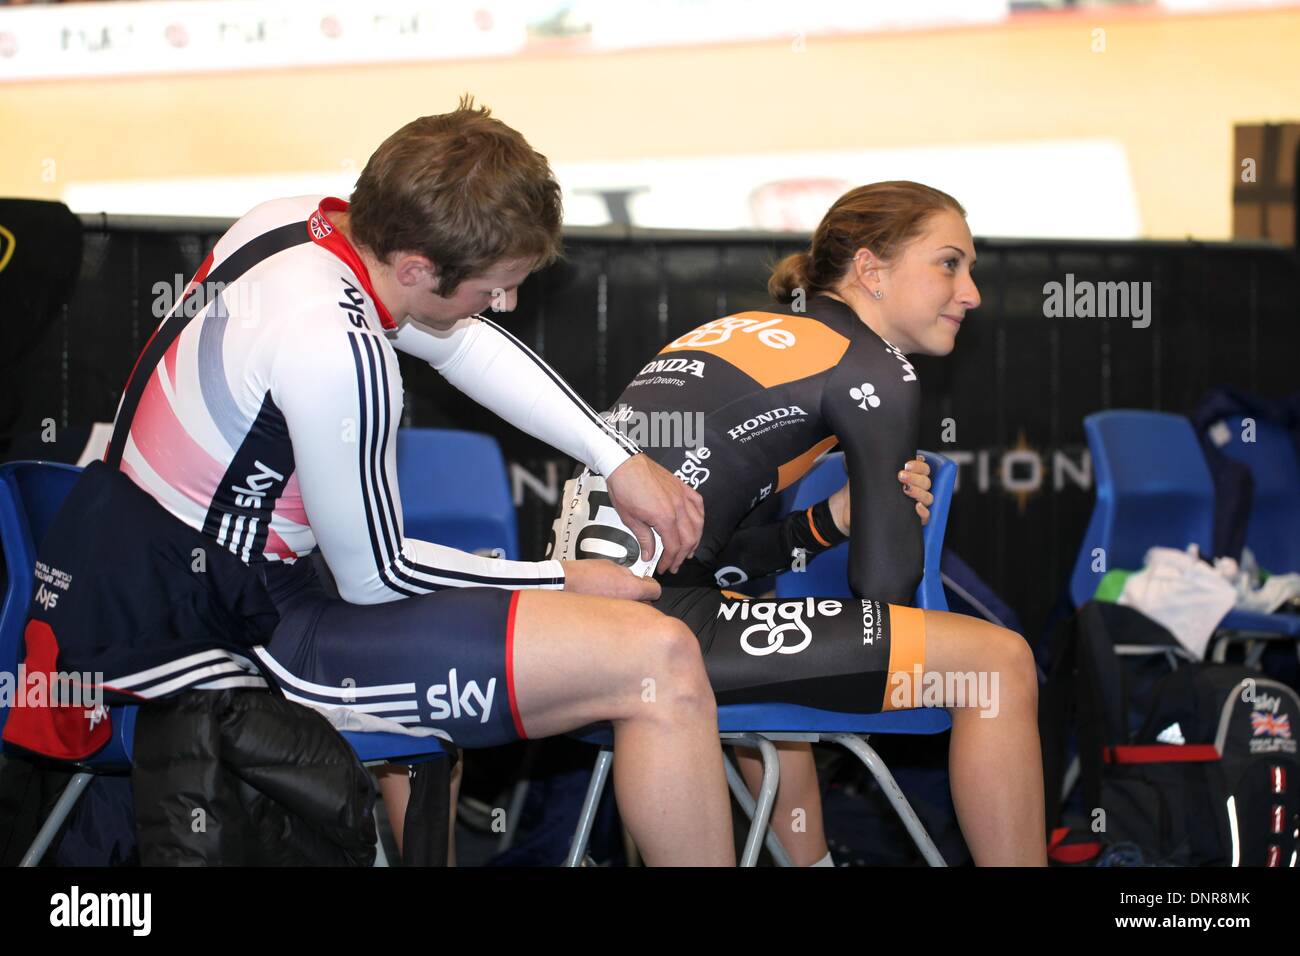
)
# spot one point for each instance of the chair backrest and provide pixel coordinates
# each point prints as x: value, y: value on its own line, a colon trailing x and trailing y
x: 1153, y: 488
x: 31, y: 493
x: 455, y: 490
x: 828, y: 573
x: 1273, y: 531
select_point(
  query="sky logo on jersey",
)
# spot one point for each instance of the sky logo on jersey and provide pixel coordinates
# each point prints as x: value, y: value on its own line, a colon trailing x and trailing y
x: 689, y: 366
x: 355, y: 306
x: 455, y: 701
x: 242, y: 507
x: 766, y: 636
x: 765, y: 418
x: 865, y: 395
x: 258, y: 483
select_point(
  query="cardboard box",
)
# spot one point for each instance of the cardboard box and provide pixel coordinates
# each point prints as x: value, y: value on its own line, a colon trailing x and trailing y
x: 1265, y: 208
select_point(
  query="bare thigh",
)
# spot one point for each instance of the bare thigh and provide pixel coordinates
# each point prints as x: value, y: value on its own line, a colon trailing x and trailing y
x: 579, y: 659
x: 960, y: 644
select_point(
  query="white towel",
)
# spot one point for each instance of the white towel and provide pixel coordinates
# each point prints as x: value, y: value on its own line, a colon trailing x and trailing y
x: 1177, y: 590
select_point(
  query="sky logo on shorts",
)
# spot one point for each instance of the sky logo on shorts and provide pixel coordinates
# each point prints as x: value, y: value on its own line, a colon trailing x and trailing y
x: 454, y: 701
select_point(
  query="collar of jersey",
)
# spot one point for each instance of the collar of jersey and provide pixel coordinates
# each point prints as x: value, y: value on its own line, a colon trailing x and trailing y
x: 323, y: 233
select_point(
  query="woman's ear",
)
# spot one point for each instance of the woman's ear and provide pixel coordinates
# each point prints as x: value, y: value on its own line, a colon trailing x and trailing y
x: 866, y: 269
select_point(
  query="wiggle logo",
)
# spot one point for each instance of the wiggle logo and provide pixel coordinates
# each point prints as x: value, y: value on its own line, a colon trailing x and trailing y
x: 768, y: 332
x: 766, y: 636
x: 771, y: 349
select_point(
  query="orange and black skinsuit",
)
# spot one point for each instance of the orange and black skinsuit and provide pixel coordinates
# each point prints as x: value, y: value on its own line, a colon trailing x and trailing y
x: 776, y: 389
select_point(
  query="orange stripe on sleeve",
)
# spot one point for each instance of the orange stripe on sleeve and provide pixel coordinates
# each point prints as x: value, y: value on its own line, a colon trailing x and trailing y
x: 824, y: 543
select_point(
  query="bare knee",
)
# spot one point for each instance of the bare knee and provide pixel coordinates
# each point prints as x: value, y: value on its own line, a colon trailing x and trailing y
x: 1011, y: 657
x: 674, y: 671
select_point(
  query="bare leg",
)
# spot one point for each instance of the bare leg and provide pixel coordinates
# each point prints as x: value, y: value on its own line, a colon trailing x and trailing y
x: 797, y: 813
x: 995, y: 758
x: 579, y: 660
x: 395, y: 789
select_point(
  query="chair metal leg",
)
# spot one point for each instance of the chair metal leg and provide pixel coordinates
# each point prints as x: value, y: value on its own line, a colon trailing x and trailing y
x: 595, y: 787
x: 871, y: 760
x: 1072, y: 773
x: 1220, y: 651
x: 67, y: 800
x: 1255, y: 654
x: 740, y: 790
x: 518, y: 794
x: 766, y: 794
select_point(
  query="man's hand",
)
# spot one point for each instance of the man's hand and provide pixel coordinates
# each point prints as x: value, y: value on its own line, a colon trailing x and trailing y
x: 915, y: 478
x: 604, y: 578
x: 646, y: 496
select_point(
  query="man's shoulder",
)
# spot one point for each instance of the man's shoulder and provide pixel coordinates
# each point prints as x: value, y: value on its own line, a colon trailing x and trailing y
x: 302, y: 277
x: 274, y: 213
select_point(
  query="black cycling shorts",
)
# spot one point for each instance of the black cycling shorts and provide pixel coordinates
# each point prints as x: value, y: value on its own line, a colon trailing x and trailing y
x: 842, y: 654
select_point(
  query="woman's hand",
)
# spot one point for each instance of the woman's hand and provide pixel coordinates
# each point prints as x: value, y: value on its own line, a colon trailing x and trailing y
x: 915, y: 477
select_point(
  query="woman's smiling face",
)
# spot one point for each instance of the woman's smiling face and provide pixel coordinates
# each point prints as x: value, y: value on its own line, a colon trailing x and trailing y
x: 928, y: 288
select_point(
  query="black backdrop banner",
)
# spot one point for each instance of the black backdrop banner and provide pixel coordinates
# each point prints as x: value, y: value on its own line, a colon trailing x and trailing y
x: 1008, y: 404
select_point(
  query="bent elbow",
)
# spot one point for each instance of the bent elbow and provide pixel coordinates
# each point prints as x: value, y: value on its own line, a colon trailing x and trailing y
x: 370, y: 590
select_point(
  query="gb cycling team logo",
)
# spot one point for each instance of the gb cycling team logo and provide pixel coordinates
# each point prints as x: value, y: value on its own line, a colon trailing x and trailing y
x: 320, y: 226
x: 779, y: 626
x: 714, y: 333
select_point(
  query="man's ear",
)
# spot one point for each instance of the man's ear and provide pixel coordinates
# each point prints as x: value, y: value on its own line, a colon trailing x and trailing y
x: 411, y: 269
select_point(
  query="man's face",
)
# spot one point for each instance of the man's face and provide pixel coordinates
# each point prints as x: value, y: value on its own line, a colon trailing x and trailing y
x: 930, y: 289
x: 493, y: 290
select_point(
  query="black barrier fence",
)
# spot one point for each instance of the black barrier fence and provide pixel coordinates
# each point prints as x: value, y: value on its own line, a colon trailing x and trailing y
x: 1008, y: 404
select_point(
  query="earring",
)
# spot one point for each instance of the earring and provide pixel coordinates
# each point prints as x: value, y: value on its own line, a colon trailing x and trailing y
x: 879, y: 294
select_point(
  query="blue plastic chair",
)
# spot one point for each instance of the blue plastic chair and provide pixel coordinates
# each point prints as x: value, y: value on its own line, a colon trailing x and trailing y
x: 1273, y: 530
x: 31, y: 493
x: 455, y: 490
x: 757, y: 725
x: 1153, y: 488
